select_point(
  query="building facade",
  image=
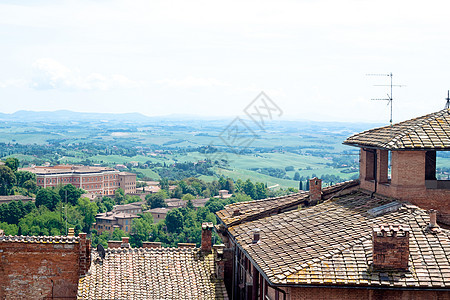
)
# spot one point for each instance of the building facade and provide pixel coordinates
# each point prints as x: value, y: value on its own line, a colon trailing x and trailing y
x: 101, y: 181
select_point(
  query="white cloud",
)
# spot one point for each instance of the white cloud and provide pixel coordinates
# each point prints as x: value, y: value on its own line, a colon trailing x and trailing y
x: 191, y: 82
x: 49, y: 74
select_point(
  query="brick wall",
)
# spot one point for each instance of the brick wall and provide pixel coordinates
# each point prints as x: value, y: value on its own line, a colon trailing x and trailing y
x: 39, y: 270
x: 408, y: 172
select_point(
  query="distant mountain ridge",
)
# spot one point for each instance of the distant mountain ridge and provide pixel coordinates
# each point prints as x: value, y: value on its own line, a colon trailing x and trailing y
x: 67, y: 115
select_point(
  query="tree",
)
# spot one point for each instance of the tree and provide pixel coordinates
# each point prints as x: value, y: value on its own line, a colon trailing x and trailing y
x: 156, y: 200
x: 174, y: 220
x: 109, y: 203
x: 249, y: 189
x: 261, y: 191
x: 119, y: 196
x: 73, y: 193
x: 24, y: 176
x: 229, y: 185
x: 164, y: 183
x: 48, y: 198
x: 30, y: 186
x: 7, y: 180
x: 297, y: 176
x: 140, y: 229
x: 88, y: 210
x: 12, y: 163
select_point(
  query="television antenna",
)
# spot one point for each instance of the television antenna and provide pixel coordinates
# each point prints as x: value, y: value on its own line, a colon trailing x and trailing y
x: 390, y: 97
x: 447, y: 105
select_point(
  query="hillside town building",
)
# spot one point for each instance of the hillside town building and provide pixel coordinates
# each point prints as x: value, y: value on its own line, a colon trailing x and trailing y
x: 100, y: 181
x: 120, y: 217
x: 373, y: 238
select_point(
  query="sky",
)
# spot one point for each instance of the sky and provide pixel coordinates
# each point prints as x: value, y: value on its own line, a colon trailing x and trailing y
x: 212, y: 58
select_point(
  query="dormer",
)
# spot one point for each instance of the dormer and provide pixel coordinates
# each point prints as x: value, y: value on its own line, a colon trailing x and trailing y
x: 408, y: 150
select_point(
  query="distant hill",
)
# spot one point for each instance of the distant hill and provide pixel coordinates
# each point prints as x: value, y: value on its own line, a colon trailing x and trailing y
x: 67, y: 115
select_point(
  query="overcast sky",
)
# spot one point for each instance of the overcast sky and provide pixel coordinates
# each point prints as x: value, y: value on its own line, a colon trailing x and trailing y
x: 212, y: 58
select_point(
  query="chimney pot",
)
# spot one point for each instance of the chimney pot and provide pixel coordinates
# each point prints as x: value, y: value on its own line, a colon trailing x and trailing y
x: 236, y: 212
x: 256, y: 235
x: 433, y: 223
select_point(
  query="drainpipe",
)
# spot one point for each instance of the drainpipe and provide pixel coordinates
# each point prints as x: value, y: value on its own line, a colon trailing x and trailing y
x: 374, y: 171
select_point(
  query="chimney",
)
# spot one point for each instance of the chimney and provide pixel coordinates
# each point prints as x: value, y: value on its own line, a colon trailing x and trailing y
x: 85, y: 254
x: 433, y: 223
x: 114, y: 244
x: 219, y: 261
x: 390, y: 247
x: 206, y: 236
x: 256, y: 235
x: 315, y: 190
x: 236, y: 212
x: 151, y: 244
x: 125, y: 242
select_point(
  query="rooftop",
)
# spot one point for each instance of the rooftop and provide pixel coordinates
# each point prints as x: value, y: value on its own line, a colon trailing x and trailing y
x: 429, y: 132
x: 331, y: 244
x: 244, y: 211
x: 39, y: 239
x: 152, y: 273
x: 69, y: 169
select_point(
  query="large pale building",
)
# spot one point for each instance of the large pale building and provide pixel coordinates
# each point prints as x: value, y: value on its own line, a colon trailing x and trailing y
x: 94, y: 180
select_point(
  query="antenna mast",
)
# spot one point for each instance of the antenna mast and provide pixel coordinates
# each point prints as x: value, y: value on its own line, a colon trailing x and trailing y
x: 390, y: 96
x: 447, y: 105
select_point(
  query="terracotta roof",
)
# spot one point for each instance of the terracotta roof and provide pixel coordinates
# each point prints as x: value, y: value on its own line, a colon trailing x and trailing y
x: 152, y: 273
x: 159, y: 210
x: 330, y: 244
x: 428, y: 132
x: 39, y: 239
x: 254, y: 209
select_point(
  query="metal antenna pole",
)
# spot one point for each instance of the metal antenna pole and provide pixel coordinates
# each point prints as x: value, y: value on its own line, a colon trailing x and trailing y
x: 447, y: 105
x: 390, y: 97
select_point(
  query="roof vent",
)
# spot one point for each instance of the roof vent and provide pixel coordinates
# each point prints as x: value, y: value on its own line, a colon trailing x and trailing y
x: 381, y: 210
x: 433, y: 226
x: 256, y: 235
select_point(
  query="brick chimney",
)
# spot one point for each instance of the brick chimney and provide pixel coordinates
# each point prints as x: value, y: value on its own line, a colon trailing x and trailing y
x: 390, y: 247
x: 114, y: 244
x: 85, y: 254
x: 315, y: 190
x: 151, y: 244
x: 219, y: 261
x: 125, y: 242
x: 206, y: 236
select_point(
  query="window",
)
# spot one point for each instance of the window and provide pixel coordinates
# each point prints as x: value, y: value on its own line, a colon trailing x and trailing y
x: 126, y: 228
x: 126, y: 222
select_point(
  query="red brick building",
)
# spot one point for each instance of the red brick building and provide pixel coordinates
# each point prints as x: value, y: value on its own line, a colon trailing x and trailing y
x: 42, y: 267
x: 100, y: 181
x: 365, y: 239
